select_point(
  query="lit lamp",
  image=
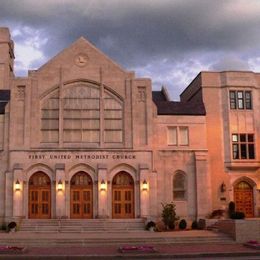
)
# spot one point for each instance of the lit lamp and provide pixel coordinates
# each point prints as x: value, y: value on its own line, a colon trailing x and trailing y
x: 17, y: 185
x: 145, y: 185
x: 103, y: 185
x: 60, y: 185
x: 223, y: 187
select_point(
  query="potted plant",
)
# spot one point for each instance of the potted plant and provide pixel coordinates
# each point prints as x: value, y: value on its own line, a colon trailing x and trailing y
x: 12, y: 226
x: 182, y: 224
x: 150, y: 226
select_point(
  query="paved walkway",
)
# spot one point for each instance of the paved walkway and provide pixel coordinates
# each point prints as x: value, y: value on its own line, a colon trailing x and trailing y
x: 162, y: 251
x: 167, y: 250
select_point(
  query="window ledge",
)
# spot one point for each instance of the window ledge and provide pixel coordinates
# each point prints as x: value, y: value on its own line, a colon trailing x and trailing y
x: 243, y: 165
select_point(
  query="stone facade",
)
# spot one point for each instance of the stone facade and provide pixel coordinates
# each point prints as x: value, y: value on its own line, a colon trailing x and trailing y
x: 83, y: 113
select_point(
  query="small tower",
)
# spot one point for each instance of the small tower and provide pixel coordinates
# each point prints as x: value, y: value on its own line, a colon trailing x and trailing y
x: 6, y: 58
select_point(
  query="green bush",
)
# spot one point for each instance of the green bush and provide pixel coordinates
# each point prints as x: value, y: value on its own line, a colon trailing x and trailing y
x: 237, y: 215
x: 169, y: 215
x: 194, y: 224
x: 183, y: 224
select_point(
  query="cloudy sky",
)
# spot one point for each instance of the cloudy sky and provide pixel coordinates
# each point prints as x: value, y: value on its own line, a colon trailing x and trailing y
x: 170, y: 41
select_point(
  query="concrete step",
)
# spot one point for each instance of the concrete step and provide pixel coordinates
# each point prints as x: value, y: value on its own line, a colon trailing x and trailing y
x: 94, y: 241
x: 74, y: 225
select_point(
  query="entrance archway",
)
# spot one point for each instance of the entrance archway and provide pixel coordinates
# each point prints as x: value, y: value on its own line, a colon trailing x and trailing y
x: 123, y: 196
x: 244, y: 199
x: 81, y: 196
x: 39, y: 196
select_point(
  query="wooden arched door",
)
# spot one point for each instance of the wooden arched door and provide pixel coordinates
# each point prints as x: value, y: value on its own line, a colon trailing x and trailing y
x: 81, y: 196
x: 244, y: 199
x: 39, y: 196
x: 123, y: 196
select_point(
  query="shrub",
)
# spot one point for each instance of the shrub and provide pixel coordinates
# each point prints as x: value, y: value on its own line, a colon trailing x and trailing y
x: 231, y: 208
x: 183, y: 224
x: 149, y: 225
x: 3, y: 227
x: 169, y: 215
x: 194, y: 224
x: 237, y: 215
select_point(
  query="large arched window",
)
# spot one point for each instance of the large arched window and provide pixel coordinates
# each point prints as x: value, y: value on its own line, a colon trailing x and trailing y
x: 88, y: 116
x: 179, y: 186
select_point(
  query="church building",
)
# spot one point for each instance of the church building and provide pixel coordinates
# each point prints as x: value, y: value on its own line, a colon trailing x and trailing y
x: 82, y: 138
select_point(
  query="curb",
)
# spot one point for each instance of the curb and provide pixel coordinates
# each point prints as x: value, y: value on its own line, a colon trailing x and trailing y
x: 134, y: 256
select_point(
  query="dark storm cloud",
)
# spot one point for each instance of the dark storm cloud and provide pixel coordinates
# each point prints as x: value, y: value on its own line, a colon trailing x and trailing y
x: 139, y: 33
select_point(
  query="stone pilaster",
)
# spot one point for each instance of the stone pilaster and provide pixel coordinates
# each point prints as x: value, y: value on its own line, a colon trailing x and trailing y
x: 102, y: 194
x: 18, y: 195
x: 60, y: 194
x: 9, y: 184
x: 144, y: 194
x: 202, y: 184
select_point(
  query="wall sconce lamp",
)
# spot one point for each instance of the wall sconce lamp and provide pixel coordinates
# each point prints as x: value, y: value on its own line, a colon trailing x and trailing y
x: 145, y: 185
x: 223, y: 187
x: 103, y: 185
x: 17, y: 185
x: 60, y: 185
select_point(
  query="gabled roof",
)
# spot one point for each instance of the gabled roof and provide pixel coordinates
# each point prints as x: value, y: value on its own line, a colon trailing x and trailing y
x: 78, y: 46
x: 166, y: 107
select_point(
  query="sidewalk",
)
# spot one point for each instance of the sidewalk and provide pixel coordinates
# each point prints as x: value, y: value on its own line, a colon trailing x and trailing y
x: 112, y: 252
x: 91, y: 245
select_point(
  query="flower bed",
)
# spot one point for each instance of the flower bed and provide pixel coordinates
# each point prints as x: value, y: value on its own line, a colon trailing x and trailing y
x: 252, y: 244
x: 11, y: 249
x: 137, y: 249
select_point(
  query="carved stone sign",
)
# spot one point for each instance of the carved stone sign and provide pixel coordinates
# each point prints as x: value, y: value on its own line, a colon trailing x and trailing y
x: 86, y: 156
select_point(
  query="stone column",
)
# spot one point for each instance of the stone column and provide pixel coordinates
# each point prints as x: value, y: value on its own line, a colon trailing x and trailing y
x: 102, y: 194
x: 9, y: 184
x: 153, y: 194
x: 18, y: 195
x: 202, y: 184
x: 60, y: 194
x: 144, y: 194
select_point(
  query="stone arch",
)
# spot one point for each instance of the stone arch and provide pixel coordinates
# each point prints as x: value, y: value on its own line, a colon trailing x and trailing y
x: 250, y: 181
x: 82, y: 167
x: 40, y: 167
x: 123, y: 167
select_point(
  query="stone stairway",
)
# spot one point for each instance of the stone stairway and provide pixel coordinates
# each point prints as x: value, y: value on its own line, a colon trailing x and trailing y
x: 80, y: 225
x: 214, y: 227
x: 106, y: 238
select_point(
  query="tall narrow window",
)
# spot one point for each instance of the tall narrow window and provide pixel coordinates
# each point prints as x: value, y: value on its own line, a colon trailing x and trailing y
x: 172, y: 135
x: 243, y: 146
x: 179, y: 186
x: 184, y: 136
x: 240, y: 99
x: 232, y: 98
x: 248, y: 100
